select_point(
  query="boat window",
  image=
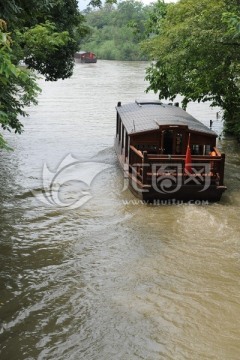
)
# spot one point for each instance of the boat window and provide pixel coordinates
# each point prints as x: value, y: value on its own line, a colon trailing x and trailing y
x: 150, y: 148
x: 195, y: 150
x: 126, y: 145
x: 140, y: 147
x: 119, y: 129
x: 168, y: 141
x: 200, y: 149
x: 207, y: 149
x: 123, y: 136
x: 179, y: 143
x: 117, y: 125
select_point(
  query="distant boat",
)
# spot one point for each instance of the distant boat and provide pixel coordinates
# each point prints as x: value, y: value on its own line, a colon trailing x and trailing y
x: 86, y: 57
x: 167, y: 154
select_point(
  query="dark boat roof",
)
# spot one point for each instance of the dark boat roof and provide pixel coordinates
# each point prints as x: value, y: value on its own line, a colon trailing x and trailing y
x: 82, y: 52
x: 148, y: 115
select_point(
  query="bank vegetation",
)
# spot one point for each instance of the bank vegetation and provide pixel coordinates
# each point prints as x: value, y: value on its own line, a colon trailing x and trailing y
x: 193, y: 47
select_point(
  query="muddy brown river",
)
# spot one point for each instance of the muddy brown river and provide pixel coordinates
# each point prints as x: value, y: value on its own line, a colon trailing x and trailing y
x: 101, y: 276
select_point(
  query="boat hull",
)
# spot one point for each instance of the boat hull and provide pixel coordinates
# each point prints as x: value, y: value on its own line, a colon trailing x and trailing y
x: 89, y: 61
x: 187, y: 193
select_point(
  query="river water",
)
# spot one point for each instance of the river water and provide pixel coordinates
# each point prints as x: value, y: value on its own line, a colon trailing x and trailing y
x: 109, y: 278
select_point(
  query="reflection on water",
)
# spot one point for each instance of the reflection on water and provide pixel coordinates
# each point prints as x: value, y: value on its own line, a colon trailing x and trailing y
x: 111, y: 279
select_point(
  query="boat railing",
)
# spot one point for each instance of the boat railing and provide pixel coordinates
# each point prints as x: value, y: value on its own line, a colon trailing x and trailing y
x: 144, y: 166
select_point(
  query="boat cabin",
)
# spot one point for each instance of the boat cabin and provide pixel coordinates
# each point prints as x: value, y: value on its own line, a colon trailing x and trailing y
x: 85, y: 57
x: 167, y: 153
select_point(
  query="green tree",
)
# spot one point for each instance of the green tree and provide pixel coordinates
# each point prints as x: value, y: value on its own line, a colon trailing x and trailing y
x: 17, y: 88
x: 197, y: 53
x: 43, y: 33
x: 116, y: 31
x: 98, y: 3
x: 157, y: 12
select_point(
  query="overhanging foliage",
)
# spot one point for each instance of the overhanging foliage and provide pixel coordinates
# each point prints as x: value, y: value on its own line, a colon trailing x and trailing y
x: 45, y: 34
x: 197, y: 55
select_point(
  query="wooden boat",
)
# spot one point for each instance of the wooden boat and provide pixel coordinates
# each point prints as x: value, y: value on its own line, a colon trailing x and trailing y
x: 85, y: 57
x: 167, y: 154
